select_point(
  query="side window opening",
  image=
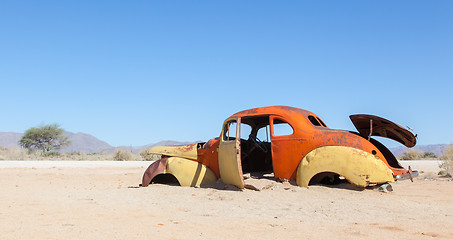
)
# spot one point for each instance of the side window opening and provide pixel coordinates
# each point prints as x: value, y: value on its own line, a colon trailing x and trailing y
x: 263, y: 134
x: 229, y: 133
x: 245, y: 130
x: 282, y: 128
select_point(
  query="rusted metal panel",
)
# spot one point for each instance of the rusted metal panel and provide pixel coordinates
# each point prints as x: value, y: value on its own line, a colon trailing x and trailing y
x: 230, y: 156
x: 209, y: 154
x: 156, y: 168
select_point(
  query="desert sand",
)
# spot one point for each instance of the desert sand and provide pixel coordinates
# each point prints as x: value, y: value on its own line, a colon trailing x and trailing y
x: 103, y: 201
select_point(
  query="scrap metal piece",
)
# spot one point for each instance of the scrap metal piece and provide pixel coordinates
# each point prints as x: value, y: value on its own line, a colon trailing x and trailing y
x: 386, y: 187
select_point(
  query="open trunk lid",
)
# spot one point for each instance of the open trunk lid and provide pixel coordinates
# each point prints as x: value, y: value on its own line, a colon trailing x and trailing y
x: 370, y: 125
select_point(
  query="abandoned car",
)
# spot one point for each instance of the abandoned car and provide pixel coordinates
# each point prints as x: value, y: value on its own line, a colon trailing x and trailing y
x: 291, y: 144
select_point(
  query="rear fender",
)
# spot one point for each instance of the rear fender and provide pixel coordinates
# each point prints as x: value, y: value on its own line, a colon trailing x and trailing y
x: 357, y: 166
x: 188, y: 173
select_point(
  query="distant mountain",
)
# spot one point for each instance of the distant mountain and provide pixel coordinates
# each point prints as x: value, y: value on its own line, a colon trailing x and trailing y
x: 82, y: 142
x: 10, y: 139
x: 435, y: 148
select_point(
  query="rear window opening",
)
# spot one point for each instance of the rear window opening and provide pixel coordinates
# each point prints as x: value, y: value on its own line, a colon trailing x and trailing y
x: 314, y: 121
x: 320, y: 121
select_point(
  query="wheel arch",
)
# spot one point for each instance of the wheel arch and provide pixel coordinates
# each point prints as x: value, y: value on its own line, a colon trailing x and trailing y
x: 357, y: 166
x: 189, y: 173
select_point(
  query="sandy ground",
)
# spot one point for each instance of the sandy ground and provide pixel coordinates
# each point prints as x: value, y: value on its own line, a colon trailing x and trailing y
x: 93, y: 201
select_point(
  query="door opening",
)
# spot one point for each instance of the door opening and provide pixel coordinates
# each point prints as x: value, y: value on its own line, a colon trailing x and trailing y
x: 256, y: 147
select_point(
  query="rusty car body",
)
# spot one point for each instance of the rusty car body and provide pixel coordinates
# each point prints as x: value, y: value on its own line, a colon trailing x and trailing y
x: 291, y: 143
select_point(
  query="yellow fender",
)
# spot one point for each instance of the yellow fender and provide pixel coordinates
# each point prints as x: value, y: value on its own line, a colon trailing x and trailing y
x: 357, y: 166
x: 189, y: 173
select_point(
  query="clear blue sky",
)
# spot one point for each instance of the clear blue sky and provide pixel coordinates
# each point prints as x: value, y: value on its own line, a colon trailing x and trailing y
x: 137, y: 72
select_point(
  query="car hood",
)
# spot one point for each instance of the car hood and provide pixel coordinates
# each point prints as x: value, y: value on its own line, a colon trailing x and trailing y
x: 383, y: 128
x: 184, y: 151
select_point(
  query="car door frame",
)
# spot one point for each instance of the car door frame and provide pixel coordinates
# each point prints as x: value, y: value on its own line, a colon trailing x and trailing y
x: 230, y: 166
x: 285, y: 151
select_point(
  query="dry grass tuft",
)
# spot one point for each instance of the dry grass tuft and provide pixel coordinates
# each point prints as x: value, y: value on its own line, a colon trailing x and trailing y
x: 22, y: 154
x: 122, y: 155
x: 411, y: 154
x: 447, y: 160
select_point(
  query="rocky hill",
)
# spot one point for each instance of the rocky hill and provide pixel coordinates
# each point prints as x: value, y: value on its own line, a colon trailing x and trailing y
x: 10, y: 139
x: 82, y: 142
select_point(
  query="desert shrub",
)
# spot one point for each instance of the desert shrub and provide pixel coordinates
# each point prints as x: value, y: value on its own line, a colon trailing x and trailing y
x: 447, y: 159
x: 122, y: 155
x: 50, y: 154
x: 1, y: 153
x: 145, y: 155
x: 24, y: 154
x: 16, y: 154
x: 428, y: 155
x: 73, y: 153
x: 411, y: 154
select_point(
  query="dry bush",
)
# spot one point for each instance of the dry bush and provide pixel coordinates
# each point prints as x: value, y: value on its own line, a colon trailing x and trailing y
x: 17, y: 154
x: 122, y: 155
x: 429, y: 155
x: 447, y: 159
x: 23, y: 154
x: 145, y: 155
x: 412, y: 154
x: 2, y: 150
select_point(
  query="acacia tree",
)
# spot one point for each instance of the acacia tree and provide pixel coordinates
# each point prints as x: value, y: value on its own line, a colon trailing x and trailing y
x: 45, y: 138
